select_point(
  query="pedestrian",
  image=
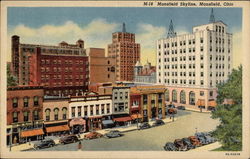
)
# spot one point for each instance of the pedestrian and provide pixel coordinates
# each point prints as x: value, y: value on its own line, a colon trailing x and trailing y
x: 79, y: 146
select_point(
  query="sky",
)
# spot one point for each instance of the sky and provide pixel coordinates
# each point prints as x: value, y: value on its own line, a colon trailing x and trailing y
x: 51, y: 25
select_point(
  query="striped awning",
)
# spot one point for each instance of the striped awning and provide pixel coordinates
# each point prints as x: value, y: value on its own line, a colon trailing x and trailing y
x: 34, y: 132
x: 122, y: 119
x: 57, y: 128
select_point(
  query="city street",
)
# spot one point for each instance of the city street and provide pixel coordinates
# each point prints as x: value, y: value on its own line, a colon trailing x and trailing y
x: 148, y: 139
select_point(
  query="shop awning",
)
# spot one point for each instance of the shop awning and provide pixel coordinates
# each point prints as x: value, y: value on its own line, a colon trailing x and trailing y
x: 77, y: 121
x: 122, y: 119
x: 107, y: 122
x: 212, y: 103
x: 135, y: 116
x: 34, y: 132
x: 57, y: 128
x: 200, y: 102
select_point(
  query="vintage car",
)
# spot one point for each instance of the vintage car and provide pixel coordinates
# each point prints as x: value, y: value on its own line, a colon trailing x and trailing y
x: 92, y: 135
x: 205, y: 138
x: 44, y: 143
x: 194, y: 141
x: 180, y: 145
x: 169, y: 146
x: 144, y: 125
x: 113, y: 134
x: 68, y: 139
x: 158, y: 122
x: 187, y: 142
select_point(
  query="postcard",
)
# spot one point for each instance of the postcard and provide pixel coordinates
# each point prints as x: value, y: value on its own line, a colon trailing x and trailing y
x: 125, y: 79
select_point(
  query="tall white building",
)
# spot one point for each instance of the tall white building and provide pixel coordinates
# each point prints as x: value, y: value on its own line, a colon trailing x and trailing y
x: 198, y: 60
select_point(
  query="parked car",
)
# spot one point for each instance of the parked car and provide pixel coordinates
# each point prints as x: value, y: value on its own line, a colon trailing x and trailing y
x: 188, y: 143
x: 68, y: 139
x: 194, y: 141
x: 92, y: 135
x: 44, y: 143
x: 113, y: 134
x: 205, y: 138
x: 158, y: 122
x: 144, y: 126
x: 169, y: 146
x: 180, y: 145
x: 181, y: 107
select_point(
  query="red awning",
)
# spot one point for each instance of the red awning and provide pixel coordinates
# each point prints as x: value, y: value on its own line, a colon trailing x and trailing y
x: 212, y: 103
x: 57, y: 128
x: 122, y: 119
x: 201, y: 102
x: 135, y: 116
x: 34, y: 132
x: 77, y: 121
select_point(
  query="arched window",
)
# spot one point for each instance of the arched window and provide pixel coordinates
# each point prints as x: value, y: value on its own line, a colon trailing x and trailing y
x: 35, y: 115
x: 36, y: 100
x: 167, y: 95
x: 64, y: 110
x: 25, y: 116
x: 183, y: 97
x: 174, y: 95
x: 192, y: 98
x: 56, y: 110
x: 25, y: 101
x: 47, y: 112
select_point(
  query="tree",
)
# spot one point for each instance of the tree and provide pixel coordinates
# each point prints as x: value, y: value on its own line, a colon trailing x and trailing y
x: 11, y: 79
x: 229, y: 132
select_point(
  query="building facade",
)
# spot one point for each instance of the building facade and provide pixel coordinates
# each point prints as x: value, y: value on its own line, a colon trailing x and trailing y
x: 91, y: 107
x: 62, y: 69
x: 101, y: 68
x: 24, y: 113
x: 126, y: 53
x: 120, y: 99
x: 144, y: 74
x: 198, y: 61
x: 152, y: 101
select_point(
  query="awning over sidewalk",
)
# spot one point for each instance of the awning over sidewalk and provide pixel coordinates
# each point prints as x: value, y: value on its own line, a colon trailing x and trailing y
x: 122, y: 119
x: 135, y: 116
x: 57, y: 128
x: 34, y: 132
x: 212, y: 103
x: 107, y: 122
x: 77, y: 121
x: 201, y: 102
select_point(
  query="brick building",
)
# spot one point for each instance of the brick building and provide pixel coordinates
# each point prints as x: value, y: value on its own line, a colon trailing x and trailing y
x: 24, y: 112
x: 62, y: 69
x: 126, y: 53
x: 144, y: 74
x: 101, y: 68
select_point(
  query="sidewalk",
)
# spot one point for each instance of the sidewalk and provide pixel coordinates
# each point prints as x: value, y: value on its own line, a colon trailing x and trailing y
x: 198, y: 110
x: 209, y: 147
x: 132, y: 127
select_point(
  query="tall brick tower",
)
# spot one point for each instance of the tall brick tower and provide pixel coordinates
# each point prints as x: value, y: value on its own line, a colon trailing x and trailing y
x: 126, y: 53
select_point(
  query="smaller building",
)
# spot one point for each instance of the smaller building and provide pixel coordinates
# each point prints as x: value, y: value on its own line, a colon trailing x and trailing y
x: 24, y: 113
x: 91, y: 107
x: 144, y: 74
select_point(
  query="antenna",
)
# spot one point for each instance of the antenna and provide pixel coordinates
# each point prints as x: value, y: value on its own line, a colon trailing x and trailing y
x: 123, y: 27
x: 171, y: 32
x: 212, y: 19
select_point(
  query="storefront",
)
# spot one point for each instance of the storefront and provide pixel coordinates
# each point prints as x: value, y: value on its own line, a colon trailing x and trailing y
x: 77, y: 125
x: 201, y: 104
x: 136, y: 118
x: 122, y: 121
x: 31, y: 135
x: 95, y: 123
x: 57, y: 128
x: 211, y: 105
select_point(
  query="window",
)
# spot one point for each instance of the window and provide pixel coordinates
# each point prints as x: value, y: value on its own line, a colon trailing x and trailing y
x: 73, y: 111
x: 35, y: 115
x: 201, y: 40
x: 47, y: 112
x: 174, y: 95
x: 25, y: 116
x: 102, y: 109
x: 108, y: 108
x: 202, y: 82
x: 167, y: 95
x: 25, y: 102
x: 202, y: 74
x: 211, y: 93
x: 183, y: 97
x: 79, y: 113
x: 192, y: 98
x: 64, y: 110
x: 14, y: 102
x: 92, y: 110
x: 36, y: 100
x: 97, y: 109
x: 201, y: 93
x: 15, y: 117
x: 56, y: 110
